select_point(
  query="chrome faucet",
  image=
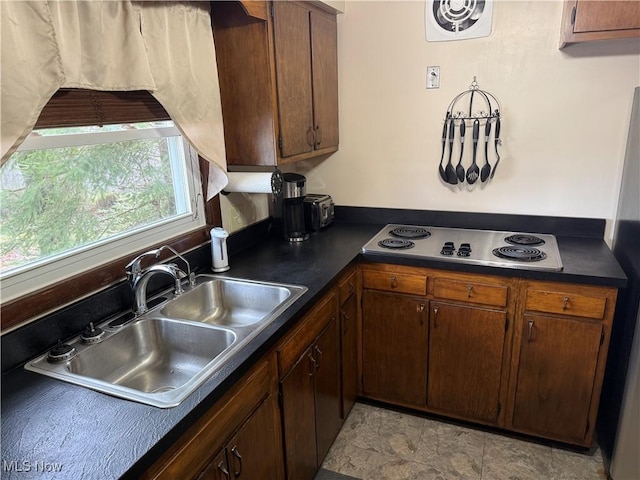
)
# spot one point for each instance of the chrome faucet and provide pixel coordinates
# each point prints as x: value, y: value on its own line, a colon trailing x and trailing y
x: 139, y: 278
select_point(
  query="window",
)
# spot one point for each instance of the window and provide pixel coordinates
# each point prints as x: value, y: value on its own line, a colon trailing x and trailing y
x: 75, y: 197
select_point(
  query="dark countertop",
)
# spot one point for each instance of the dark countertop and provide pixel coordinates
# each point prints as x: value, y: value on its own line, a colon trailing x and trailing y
x: 48, y: 423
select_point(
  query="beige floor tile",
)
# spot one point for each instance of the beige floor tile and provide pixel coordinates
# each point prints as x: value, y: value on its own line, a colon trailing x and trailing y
x: 381, y: 444
x: 512, y: 459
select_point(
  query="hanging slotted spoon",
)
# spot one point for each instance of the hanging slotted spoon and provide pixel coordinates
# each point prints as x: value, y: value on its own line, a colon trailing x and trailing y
x: 474, y: 170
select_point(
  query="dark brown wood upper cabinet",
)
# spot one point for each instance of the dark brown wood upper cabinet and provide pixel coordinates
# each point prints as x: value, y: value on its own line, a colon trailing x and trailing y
x: 307, y: 78
x: 278, y: 73
x: 588, y: 20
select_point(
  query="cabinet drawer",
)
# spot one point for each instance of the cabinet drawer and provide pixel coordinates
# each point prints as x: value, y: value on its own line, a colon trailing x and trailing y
x: 347, y: 287
x: 395, y: 282
x: 470, y: 292
x: 565, y: 303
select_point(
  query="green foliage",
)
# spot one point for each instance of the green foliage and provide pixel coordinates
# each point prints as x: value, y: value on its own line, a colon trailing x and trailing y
x: 59, y: 199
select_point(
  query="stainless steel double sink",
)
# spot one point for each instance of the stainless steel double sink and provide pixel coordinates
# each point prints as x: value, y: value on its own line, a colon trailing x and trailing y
x: 161, y: 357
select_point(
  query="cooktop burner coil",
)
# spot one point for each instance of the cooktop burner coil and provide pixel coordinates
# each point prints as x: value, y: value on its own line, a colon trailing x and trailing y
x: 396, y: 243
x: 410, y: 232
x: 522, y: 254
x: 524, y: 239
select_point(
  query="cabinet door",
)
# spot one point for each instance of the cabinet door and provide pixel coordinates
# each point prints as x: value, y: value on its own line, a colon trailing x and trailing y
x: 324, y: 55
x: 394, y: 347
x: 327, y: 388
x: 293, y: 74
x: 592, y: 16
x: 298, y: 417
x: 466, y: 346
x: 556, y: 370
x: 348, y: 319
x: 217, y: 469
x: 254, y: 452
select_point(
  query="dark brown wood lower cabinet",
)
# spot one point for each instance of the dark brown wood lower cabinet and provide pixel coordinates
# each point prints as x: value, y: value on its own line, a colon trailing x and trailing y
x: 394, y: 347
x: 251, y: 451
x: 311, y: 404
x: 555, y: 378
x: 299, y: 420
x: 466, y: 346
x: 348, y: 320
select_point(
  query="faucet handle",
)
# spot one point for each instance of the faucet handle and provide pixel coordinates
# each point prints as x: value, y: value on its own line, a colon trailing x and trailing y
x: 134, y: 269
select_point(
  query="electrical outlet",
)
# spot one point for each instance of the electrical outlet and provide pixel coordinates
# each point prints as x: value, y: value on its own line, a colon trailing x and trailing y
x: 433, y: 77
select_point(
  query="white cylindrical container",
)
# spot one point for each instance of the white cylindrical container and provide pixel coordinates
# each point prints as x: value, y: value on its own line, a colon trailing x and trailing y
x: 219, y: 257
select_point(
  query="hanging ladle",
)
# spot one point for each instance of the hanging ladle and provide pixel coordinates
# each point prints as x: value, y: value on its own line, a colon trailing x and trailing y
x: 474, y: 170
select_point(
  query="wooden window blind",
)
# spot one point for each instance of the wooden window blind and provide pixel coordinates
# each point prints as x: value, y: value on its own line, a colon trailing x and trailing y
x: 77, y: 107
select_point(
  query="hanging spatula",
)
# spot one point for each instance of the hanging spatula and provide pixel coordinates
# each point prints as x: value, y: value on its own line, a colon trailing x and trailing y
x: 443, y: 174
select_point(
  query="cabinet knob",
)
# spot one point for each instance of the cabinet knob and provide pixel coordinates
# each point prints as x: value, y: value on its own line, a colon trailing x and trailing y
x: 435, y: 316
x: 394, y: 281
x: 469, y: 290
x: 530, y: 330
x: 565, y: 303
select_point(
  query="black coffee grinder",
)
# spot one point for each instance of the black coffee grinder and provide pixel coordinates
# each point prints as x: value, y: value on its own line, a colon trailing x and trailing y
x: 288, y: 195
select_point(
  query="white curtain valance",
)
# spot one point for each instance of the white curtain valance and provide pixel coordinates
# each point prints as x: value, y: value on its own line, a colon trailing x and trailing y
x: 164, y: 47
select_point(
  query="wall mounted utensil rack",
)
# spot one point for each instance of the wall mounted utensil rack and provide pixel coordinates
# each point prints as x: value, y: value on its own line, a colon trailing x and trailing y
x: 478, y: 110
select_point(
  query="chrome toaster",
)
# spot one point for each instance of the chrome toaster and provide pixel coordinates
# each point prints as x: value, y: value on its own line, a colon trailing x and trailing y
x: 318, y: 211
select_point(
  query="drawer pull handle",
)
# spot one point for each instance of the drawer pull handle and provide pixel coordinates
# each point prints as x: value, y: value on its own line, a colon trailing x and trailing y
x: 313, y: 365
x: 318, y: 356
x: 435, y: 317
x: 222, y: 468
x: 530, y: 330
x: 311, y: 138
x: 565, y: 303
x: 469, y: 290
x: 394, y: 281
x: 235, y: 452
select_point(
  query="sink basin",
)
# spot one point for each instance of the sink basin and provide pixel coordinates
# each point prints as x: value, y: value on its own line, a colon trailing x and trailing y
x: 153, y: 355
x: 162, y: 356
x: 156, y: 361
x: 230, y: 302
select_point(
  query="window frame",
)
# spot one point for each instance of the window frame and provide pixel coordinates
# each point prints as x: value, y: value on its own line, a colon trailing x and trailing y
x: 73, y: 107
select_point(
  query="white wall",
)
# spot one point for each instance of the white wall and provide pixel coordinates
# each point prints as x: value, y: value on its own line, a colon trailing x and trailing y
x: 565, y: 114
